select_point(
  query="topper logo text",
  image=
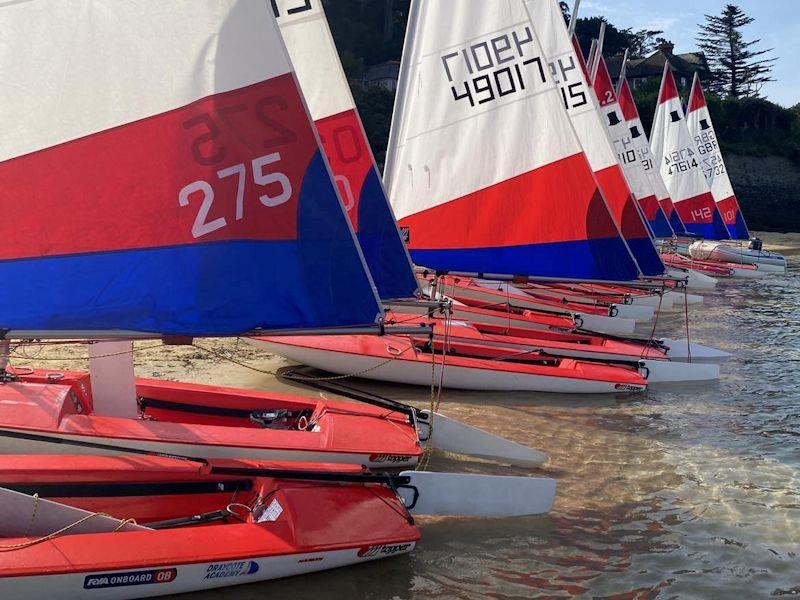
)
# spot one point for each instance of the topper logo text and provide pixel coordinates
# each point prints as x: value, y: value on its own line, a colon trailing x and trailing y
x: 497, y: 67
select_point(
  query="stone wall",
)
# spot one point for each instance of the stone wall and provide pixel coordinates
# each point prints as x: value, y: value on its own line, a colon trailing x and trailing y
x: 768, y: 189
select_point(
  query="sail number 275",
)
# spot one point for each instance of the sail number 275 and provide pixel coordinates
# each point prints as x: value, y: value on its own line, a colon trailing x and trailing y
x: 262, y: 168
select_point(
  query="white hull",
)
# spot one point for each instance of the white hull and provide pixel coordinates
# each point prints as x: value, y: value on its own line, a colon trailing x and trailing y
x: 637, y: 312
x: 697, y: 280
x: 666, y: 302
x: 679, y: 351
x: 766, y: 261
x: 190, y: 577
x: 455, y: 377
x: 680, y: 299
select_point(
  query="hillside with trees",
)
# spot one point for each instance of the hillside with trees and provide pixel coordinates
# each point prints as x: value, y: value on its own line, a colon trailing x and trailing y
x: 761, y: 139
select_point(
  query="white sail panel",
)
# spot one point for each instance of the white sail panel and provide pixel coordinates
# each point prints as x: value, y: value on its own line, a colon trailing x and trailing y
x: 437, y: 140
x: 663, y: 219
x: 319, y: 71
x: 484, y: 169
x: 701, y: 128
x: 55, y: 77
x: 674, y: 148
x: 587, y: 117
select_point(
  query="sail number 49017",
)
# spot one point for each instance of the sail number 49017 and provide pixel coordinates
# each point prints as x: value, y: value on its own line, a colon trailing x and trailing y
x: 278, y: 192
x: 496, y: 67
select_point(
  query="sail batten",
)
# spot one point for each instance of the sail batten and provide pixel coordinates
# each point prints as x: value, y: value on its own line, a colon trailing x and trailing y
x: 171, y: 182
x: 484, y: 171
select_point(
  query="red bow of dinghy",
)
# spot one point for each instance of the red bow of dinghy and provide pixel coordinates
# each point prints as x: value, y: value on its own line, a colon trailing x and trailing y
x: 209, y: 530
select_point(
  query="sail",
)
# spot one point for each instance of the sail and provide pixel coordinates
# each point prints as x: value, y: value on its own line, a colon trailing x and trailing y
x: 674, y: 148
x: 713, y: 165
x: 484, y: 171
x: 160, y: 174
x: 634, y: 154
x: 587, y: 117
x: 649, y: 165
x: 316, y: 62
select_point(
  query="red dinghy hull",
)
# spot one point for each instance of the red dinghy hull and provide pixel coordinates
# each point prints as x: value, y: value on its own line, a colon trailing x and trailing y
x: 281, y: 527
x: 204, y: 421
x: 470, y: 366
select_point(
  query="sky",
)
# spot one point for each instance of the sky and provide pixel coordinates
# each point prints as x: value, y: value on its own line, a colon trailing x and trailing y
x: 777, y: 23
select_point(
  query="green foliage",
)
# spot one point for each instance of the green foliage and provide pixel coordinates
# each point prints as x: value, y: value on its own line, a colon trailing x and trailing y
x: 375, y: 104
x: 737, y: 69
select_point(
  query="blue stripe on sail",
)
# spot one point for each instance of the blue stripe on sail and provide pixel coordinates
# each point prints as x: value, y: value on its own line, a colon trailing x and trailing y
x: 739, y: 231
x: 715, y: 230
x: 216, y: 288
x: 677, y: 225
x: 381, y: 244
x: 646, y: 256
x: 660, y: 225
x: 584, y: 259
x: 177, y: 290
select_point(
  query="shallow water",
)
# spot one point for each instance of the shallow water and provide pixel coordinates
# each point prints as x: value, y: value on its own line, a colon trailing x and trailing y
x: 680, y: 493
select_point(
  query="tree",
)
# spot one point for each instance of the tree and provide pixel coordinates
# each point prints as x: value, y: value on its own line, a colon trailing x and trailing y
x: 643, y: 42
x: 737, y: 68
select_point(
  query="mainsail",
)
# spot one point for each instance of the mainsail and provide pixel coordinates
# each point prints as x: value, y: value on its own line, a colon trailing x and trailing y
x: 628, y: 156
x: 674, y: 148
x: 484, y: 170
x: 587, y: 118
x: 316, y: 62
x: 701, y: 128
x: 640, y: 167
x: 160, y: 174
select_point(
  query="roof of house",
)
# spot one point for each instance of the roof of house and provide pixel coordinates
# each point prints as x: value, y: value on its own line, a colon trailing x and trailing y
x: 385, y: 70
x: 653, y: 65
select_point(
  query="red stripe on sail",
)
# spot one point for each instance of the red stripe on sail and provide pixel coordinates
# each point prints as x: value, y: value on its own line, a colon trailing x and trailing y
x: 699, y: 209
x: 697, y: 99
x: 621, y: 202
x: 667, y: 206
x: 669, y: 89
x: 627, y: 103
x: 348, y: 155
x: 602, y: 84
x: 229, y: 166
x: 729, y: 208
x: 649, y: 206
x: 555, y: 203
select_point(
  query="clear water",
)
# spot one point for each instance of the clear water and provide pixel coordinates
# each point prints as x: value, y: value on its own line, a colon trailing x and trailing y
x: 680, y: 493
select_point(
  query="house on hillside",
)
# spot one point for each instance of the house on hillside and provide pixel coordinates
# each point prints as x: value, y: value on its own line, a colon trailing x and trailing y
x: 384, y: 74
x: 684, y: 66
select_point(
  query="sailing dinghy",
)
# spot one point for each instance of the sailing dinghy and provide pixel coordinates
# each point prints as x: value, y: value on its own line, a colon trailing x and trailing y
x: 679, y: 164
x: 230, y: 199
x: 586, y: 112
x: 484, y: 170
x: 701, y: 127
x: 467, y: 365
x: 650, y: 166
x: 129, y: 527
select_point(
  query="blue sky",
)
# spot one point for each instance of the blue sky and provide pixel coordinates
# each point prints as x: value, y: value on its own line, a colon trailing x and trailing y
x: 777, y: 24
